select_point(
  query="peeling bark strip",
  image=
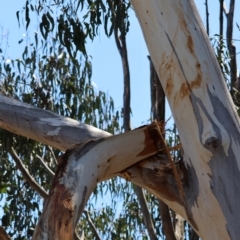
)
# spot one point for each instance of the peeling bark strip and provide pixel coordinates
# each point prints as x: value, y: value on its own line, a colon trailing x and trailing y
x: 203, y: 112
x: 81, y: 168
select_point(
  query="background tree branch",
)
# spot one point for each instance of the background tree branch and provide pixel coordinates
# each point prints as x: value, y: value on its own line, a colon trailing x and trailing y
x: 29, y: 179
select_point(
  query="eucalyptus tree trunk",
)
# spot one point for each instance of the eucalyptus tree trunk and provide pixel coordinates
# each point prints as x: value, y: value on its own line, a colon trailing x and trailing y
x: 206, y: 192
x: 203, y: 111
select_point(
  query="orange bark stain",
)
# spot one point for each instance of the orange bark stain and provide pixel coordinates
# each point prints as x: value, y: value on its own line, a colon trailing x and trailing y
x: 190, y: 44
x: 169, y: 86
x: 165, y: 71
x: 151, y: 141
x: 197, y: 82
x: 184, y: 90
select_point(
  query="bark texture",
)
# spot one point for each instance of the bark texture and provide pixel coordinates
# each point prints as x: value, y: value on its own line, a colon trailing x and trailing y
x: 200, y: 102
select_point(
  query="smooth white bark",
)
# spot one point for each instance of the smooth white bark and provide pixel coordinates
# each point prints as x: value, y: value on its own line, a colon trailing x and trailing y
x: 203, y: 111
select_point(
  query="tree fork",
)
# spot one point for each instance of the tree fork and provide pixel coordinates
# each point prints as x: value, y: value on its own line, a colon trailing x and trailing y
x: 82, y: 167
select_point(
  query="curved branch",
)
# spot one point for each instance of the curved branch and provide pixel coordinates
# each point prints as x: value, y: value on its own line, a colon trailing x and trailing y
x: 81, y: 168
x: 92, y: 225
x: 26, y: 175
x: 53, y: 155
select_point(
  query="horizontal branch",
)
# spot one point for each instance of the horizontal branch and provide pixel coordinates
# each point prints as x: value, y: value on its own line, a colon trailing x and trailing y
x: 44, y: 126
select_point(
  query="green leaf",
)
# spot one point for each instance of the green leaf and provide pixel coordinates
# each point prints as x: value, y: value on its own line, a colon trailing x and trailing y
x: 27, y: 18
x: 17, y: 13
x: 51, y: 20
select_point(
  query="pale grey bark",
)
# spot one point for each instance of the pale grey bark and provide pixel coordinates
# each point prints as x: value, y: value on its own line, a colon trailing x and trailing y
x: 44, y: 126
x: 205, y: 117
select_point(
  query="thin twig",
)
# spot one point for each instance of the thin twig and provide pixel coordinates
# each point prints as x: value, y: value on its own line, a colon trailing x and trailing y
x: 53, y: 155
x: 91, y: 225
x: 45, y: 165
x: 26, y: 175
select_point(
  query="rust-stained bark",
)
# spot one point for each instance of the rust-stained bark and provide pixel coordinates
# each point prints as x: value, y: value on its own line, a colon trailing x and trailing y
x: 154, y: 173
x: 208, y: 196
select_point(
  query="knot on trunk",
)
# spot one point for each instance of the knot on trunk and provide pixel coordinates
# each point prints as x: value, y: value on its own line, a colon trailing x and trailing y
x: 212, y: 142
